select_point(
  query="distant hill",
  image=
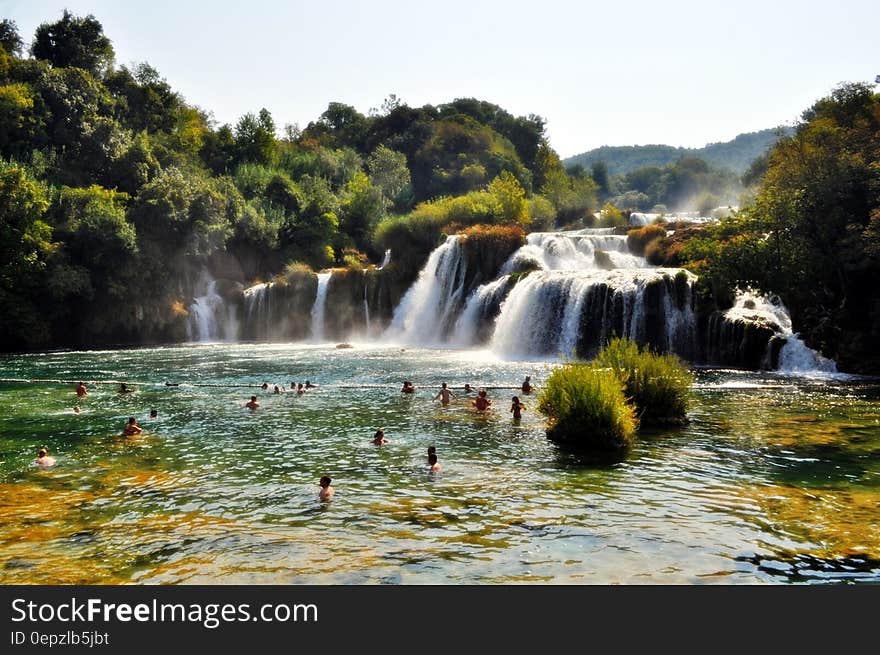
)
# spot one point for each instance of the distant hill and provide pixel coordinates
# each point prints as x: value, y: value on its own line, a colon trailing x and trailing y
x: 735, y: 155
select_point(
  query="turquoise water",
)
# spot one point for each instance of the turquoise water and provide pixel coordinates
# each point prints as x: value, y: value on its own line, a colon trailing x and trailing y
x: 775, y: 479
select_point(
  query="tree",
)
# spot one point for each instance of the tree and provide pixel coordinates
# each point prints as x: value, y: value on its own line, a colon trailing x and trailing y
x: 25, y: 244
x: 74, y: 42
x: 511, y: 198
x: 362, y: 208
x: 9, y: 37
x: 389, y: 172
x: 255, y: 139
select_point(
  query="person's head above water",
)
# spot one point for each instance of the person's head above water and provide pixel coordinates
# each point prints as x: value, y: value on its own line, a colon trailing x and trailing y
x: 516, y: 399
x: 43, y: 452
x: 432, y: 450
x: 132, y: 420
x: 432, y: 459
x: 325, y: 480
x: 154, y: 413
x: 254, y: 399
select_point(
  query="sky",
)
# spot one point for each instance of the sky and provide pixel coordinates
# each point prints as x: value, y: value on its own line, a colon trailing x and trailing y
x: 615, y: 72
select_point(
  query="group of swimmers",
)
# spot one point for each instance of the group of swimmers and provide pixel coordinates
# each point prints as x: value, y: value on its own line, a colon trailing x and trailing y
x: 482, y: 402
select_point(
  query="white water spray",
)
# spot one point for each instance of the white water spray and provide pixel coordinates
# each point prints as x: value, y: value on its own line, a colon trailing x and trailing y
x: 318, y: 309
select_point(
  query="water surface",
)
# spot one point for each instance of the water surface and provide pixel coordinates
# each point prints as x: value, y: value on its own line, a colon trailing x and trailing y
x: 776, y: 479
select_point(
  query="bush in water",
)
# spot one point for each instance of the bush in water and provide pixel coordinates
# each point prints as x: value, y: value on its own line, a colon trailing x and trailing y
x: 587, y: 407
x: 658, y: 385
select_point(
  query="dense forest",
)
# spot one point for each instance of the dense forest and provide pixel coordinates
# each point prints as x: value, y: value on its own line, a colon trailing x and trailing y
x: 115, y: 193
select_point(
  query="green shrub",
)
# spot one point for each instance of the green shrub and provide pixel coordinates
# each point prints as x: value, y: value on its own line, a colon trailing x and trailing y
x: 587, y: 407
x: 611, y: 217
x: 638, y: 238
x: 658, y: 385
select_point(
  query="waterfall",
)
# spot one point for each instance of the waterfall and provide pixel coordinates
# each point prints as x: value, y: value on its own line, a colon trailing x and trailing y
x: 385, y: 260
x: 573, y: 313
x: 482, y: 306
x: 429, y: 306
x: 573, y: 251
x: 366, y: 310
x: 210, y: 319
x: 318, y: 309
x: 258, y: 311
x: 794, y: 356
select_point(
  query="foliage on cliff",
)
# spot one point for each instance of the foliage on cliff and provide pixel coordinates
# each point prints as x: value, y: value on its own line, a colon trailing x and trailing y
x: 813, y: 233
x: 116, y: 191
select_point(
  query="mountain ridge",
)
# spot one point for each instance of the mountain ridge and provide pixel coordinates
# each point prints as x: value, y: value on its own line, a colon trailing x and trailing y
x: 736, y: 154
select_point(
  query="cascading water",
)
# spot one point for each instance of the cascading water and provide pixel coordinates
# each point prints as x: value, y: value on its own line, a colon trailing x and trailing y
x: 258, y: 311
x: 794, y: 356
x: 572, y: 313
x: 385, y: 260
x: 588, y: 288
x: 210, y: 319
x: 318, y: 309
x: 367, y: 327
x: 429, y: 307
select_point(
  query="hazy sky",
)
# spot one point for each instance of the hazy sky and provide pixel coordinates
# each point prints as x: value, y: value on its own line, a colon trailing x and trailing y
x: 601, y: 73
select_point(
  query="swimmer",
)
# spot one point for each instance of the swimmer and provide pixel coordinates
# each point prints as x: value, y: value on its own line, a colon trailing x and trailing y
x: 131, y: 428
x: 123, y: 388
x: 432, y: 450
x: 379, y: 437
x: 76, y: 409
x: 517, y: 407
x: 444, y: 394
x: 434, y: 464
x: 277, y: 389
x: 468, y: 388
x: 81, y: 390
x: 300, y: 389
x: 326, y: 490
x: 265, y: 386
x: 252, y: 403
x: 408, y: 387
x: 154, y: 413
x: 309, y: 385
x: 527, y: 385
x: 482, y: 401
x: 44, y: 460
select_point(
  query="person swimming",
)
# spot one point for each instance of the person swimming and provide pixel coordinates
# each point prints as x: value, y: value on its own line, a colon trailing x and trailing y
x: 432, y: 450
x: 131, y: 428
x: 123, y: 388
x: 76, y: 409
x: 265, y: 386
x: 482, y: 402
x: 44, y: 460
x: 154, y: 413
x: 309, y: 385
x: 326, y: 490
x: 300, y: 389
x: 527, y: 385
x: 517, y: 407
x: 252, y: 403
x: 81, y: 390
x: 379, y: 437
x: 277, y: 389
x: 408, y: 387
x: 468, y: 388
x: 433, y: 463
x: 444, y: 394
